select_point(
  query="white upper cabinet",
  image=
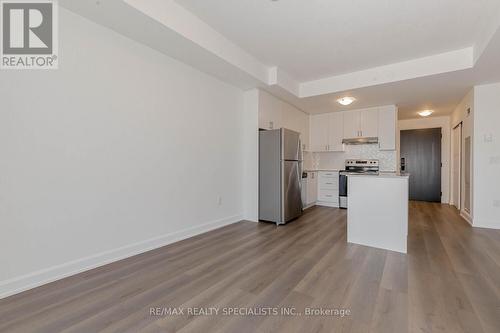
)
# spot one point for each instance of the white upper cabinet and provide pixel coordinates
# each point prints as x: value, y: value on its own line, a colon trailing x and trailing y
x: 387, y: 120
x: 361, y: 123
x: 352, y: 124
x: 326, y: 132
x: 369, y: 123
x: 319, y: 132
x: 275, y: 113
x: 304, y: 132
x: 270, y: 111
x: 336, y: 131
x: 296, y: 120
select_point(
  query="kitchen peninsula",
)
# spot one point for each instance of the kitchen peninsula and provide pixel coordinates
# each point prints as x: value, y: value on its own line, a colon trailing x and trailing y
x: 378, y: 211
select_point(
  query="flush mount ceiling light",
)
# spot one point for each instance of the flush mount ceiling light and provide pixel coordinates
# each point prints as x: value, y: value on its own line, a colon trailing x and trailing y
x: 346, y: 100
x: 425, y: 113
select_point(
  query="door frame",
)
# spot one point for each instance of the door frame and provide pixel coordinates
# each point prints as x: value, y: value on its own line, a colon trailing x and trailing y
x: 439, y: 169
x: 454, y: 185
x: 426, y: 123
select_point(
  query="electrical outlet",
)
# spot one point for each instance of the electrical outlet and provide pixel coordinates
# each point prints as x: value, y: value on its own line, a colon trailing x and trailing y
x: 219, y: 200
x: 496, y: 203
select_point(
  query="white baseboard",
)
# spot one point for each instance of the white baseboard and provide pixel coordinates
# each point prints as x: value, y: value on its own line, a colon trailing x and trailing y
x: 327, y: 204
x: 484, y: 223
x: 309, y: 206
x: 41, y: 277
x: 466, y: 217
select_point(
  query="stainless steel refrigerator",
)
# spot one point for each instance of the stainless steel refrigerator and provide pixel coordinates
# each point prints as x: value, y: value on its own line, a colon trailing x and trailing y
x: 280, y: 172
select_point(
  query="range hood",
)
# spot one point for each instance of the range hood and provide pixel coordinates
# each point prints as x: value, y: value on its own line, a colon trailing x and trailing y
x: 360, y: 141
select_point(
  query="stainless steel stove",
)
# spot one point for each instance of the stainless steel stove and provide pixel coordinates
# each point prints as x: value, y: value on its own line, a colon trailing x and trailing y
x: 355, y: 167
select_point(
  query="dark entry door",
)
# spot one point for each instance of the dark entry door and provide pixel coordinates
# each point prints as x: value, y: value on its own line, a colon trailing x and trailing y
x: 421, y: 155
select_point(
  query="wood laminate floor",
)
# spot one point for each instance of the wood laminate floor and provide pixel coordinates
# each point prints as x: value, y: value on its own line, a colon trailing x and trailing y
x: 448, y: 282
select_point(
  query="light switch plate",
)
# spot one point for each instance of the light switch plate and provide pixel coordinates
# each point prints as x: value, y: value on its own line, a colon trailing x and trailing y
x: 495, y: 159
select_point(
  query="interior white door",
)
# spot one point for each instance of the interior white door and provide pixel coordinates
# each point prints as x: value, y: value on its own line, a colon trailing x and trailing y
x: 336, y: 131
x: 456, y: 166
x: 319, y: 132
x: 351, y: 120
x: 369, y: 123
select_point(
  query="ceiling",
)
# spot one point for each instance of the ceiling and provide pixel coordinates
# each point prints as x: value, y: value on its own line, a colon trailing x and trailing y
x: 416, y: 54
x: 318, y: 38
x: 440, y: 93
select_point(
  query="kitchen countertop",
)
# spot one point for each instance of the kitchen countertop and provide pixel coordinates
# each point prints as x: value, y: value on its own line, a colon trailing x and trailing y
x: 386, y: 175
x: 317, y: 170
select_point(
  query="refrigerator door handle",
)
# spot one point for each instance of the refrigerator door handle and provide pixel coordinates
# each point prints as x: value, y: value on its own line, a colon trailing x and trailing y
x: 301, y: 153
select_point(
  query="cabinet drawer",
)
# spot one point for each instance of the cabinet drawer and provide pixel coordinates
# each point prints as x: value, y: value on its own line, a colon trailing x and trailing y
x: 328, y: 183
x: 328, y: 175
x: 328, y: 195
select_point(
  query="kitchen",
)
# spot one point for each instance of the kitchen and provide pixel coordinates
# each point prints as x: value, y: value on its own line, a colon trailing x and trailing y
x: 131, y: 169
x: 336, y: 148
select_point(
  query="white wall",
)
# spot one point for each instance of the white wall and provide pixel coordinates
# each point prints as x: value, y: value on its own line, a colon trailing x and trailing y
x: 433, y: 122
x: 486, y: 187
x: 251, y: 155
x: 461, y: 114
x: 120, y: 150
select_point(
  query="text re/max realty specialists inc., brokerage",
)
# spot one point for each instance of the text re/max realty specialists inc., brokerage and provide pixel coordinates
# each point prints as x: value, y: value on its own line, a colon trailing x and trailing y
x: 247, y: 311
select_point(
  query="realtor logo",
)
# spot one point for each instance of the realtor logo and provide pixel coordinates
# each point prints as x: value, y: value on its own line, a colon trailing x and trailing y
x: 29, y: 34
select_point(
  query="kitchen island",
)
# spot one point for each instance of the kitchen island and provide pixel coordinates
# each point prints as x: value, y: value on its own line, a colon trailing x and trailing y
x: 378, y: 210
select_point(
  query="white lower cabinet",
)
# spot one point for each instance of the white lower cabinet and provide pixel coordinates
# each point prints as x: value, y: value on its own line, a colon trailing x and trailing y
x: 328, y: 188
x: 312, y: 189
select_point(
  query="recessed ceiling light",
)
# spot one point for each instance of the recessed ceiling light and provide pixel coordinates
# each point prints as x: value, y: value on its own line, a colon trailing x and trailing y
x: 425, y: 113
x: 346, y: 100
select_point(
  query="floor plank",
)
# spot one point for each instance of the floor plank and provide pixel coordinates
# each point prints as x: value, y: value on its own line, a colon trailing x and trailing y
x: 448, y: 282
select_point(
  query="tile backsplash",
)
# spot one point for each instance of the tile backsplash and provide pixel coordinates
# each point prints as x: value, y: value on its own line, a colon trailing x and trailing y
x: 336, y: 160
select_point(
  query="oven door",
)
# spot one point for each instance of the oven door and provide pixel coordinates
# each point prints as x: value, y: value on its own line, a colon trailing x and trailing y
x: 342, y: 190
